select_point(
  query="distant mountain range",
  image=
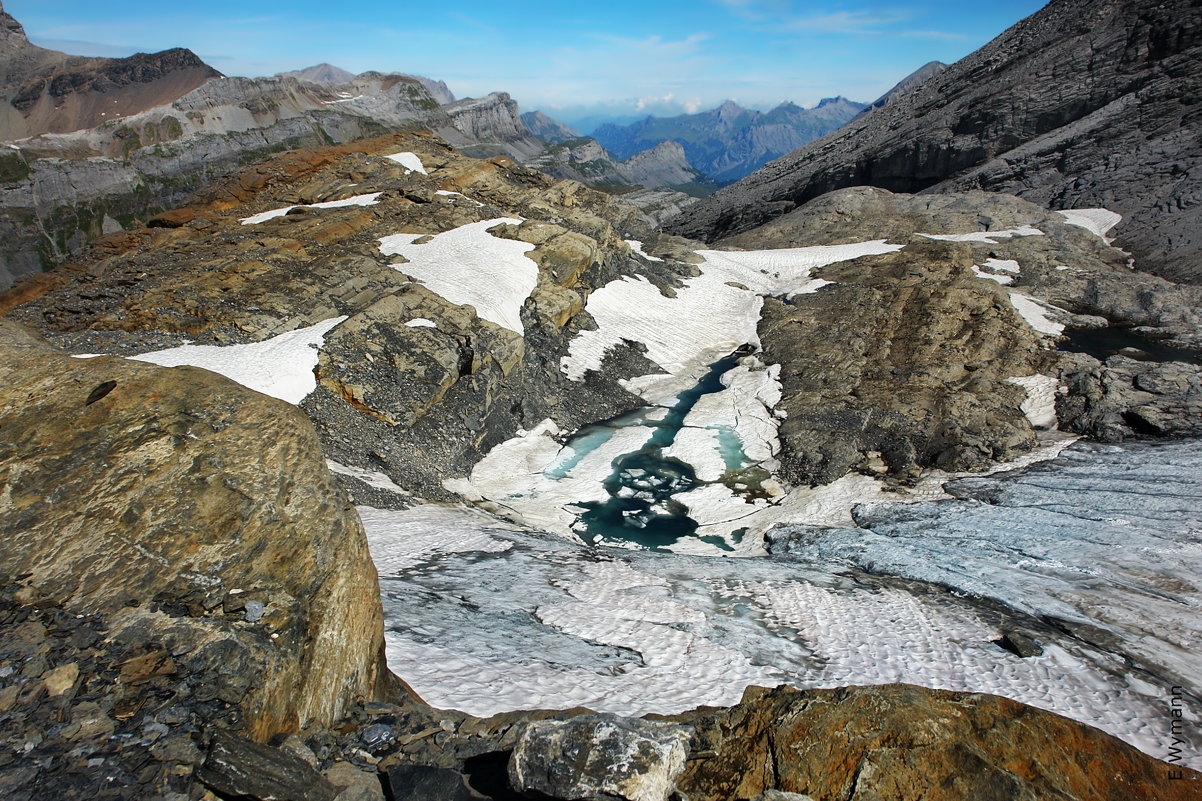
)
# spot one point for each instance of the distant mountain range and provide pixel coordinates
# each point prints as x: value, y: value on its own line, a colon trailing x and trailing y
x: 45, y: 91
x: 1084, y: 104
x: 730, y: 142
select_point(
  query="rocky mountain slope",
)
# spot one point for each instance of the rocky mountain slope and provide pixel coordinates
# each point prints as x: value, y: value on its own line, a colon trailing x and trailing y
x: 907, y: 85
x: 320, y: 73
x: 447, y: 323
x: 43, y: 91
x: 548, y: 129
x: 1087, y: 103
x: 728, y: 142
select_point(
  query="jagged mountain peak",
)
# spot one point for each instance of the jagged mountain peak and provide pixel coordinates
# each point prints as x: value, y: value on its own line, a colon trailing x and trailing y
x: 9, y: 27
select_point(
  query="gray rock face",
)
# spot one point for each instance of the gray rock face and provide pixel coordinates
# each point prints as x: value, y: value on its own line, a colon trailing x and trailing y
x: 729, y: 142
x: 663, y: 165
x: 321, y: 73
x: 547, y: 128
x: 599, y: 758
x: 239, y: 768
x: 1087, y: 103
x: 492, y: 126
x: 907, y: 85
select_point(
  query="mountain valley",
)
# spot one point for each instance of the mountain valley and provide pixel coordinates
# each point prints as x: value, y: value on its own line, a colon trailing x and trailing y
x: 360, y: 442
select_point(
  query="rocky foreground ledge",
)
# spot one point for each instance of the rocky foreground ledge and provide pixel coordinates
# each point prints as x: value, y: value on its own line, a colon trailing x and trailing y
x: 188, y: 611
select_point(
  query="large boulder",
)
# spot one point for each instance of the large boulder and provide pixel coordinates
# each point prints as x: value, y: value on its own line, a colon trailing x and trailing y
x: 189, y: 511
x: 599, y: 758
x: 904, y: 743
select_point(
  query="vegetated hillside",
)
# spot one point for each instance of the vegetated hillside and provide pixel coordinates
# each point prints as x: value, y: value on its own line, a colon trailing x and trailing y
x: 1087, y: 103
x: 728, y: 142
x: 44, y: 91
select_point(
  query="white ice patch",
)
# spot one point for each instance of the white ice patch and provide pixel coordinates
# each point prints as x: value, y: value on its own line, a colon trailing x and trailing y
x: 358, y: 200
x: 637, y: 247
x: 448, y: 193
x: 1040, y: 405
x: 281, y: 367
x: 1004, y: 280
x: 1096, y: 221
x: 1036, y: 313
x: 371, y: 478
x: 421, y: 322
x: 710, y: 316
x: 410, y: 161
x: 469, y: 266
x: 986, y: 237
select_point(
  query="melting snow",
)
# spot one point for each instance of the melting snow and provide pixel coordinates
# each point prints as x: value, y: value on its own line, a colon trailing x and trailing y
x: 637, y: 247
x: 358, y: 200
x: 1036, y: 313
x: 711, y: 315
x: 281, y: 367
x: 1097, y: 221
x: 421, y: 322
x: 369, y: 477
x: 469, y: 266
x: 410, y: 161
x: 986, y: 237
x: 1040, y: 405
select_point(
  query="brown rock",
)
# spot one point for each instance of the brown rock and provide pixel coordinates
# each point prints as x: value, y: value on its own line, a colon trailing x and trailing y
x: 61, y: 679
x: 904, y: 743
x: 175, y: 476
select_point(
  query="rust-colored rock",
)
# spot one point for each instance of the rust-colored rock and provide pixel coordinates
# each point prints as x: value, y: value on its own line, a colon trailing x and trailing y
x: 903, y: 743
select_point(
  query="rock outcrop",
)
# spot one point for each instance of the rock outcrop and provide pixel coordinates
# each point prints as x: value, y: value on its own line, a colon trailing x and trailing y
x: 492, y: 126
x: 599, y: 757
x: 903, y: 743
x: 420, y: 402
x: 183, y: 509
x: 907, y: 85
x: 44, y: 91
x: 909, y: 357
x: 1087, y: 103
x: 729, y: 142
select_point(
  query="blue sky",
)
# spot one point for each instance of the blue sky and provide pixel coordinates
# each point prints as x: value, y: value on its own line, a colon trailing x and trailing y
x: 622, y: 55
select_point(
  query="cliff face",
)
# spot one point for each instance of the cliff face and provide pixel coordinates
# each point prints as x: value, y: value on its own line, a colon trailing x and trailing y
x: 48, y: 92
x: 492, y: 126
x: 180, y: 507
x: 1087, y: 103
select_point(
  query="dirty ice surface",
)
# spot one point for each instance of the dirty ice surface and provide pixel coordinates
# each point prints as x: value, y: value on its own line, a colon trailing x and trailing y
x: 1094, y: 556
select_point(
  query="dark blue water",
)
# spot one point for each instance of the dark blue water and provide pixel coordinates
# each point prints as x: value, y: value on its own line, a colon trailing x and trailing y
x: 1102, y: 343
x: 641, y: 507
